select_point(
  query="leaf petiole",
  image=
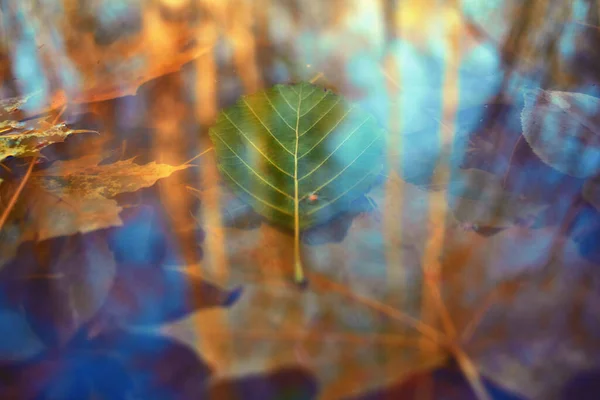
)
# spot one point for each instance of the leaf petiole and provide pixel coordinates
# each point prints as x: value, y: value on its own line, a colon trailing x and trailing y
x: 298, y: 268
x: 198, y: 156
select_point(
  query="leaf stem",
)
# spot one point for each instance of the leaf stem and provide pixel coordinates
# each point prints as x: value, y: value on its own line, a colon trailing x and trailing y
x: 198, y: 156
x: 16, y: 194
x: 298, y: 269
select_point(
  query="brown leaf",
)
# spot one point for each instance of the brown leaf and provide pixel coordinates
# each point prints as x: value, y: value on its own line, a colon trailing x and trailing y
x: 514, y: 294
x: 75, y: 197
x: 25, y: 139
x: 349, y: 326
x: 107, y: 53
x: 346, y: 343
x: 11, y: 105
x: 155, y: 295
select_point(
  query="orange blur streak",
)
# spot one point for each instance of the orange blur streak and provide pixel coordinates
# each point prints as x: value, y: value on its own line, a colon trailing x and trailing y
x: 17, y: 193
x: 218, y: 351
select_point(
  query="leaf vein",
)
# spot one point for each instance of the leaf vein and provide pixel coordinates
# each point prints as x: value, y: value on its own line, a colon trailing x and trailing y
x: 316, y: 104
x: 342, y: 171
x: 286, y: 100
x: 308, y: 95
x: 263, y: 124
x: 252, y: 169
x: 322, y: 116
x: 256, y: 197
x: 325, y: 137
x: 348, y: 136
x: 277, y: 111
x: 257, y: 149
x: 314, y: 210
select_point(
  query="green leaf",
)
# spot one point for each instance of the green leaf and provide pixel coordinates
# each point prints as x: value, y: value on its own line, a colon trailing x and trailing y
x: 563, y: 129
x: 298, y: 154
x: 478, y: 197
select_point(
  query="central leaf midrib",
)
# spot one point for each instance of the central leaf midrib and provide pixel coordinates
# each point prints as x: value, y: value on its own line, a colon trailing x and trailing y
x: 298, y: 269
x: 296, y: 194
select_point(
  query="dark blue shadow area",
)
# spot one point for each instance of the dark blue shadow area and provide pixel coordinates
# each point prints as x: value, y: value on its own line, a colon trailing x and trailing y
x: 116, y: 365
x: 583, y: 386
x: 122, y: 365
x: 441, y: 384
x: 283, y: 384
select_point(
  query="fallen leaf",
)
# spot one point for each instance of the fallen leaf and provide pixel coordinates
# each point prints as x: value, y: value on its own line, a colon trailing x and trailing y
x: 73, y: 197
x: 23, y: 140
x: 94, y: 51
x: 349, y: 344
x: 509, y: 297
x: 298, y: 155
x: 479, y: 198
x: 563, y: 129
x: 152, y: 295
x: 10, y: 106
x: 446, y: 383
x: 352, y: 328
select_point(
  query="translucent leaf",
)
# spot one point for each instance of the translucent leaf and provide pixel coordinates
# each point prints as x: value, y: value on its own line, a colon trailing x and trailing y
x: 478, y: 198
x: 74, y: 197
x: 278, y: 147
x: 298, y: 154
x: 101, y: 49
x: 63, y: 284
x: 563, y: 130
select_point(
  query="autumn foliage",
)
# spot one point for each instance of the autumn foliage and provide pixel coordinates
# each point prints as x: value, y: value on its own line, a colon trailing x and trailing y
x: 267, y: 199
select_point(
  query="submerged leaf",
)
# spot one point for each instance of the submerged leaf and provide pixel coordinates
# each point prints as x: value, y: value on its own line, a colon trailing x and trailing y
x: 63, y: 284
x: 107, y: 50
x: 23, y: 141
x: 279, y: 147
x: 154, y: 295
x: 75, y: 197
x: 338, y: 329
x: 563, y: 129
x: 298, y: 155
x: 477, y: 197
x: 84, y: 178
